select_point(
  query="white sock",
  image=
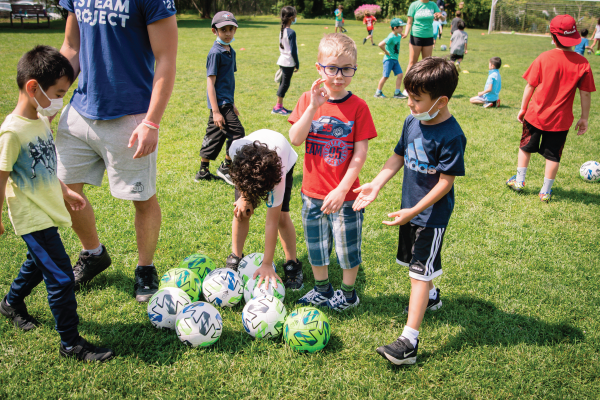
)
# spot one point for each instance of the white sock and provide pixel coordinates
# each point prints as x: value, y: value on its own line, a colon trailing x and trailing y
x: 67, y: 348
x: 433, y: 293
x: 547, y: 185
x: 411, y: 334
x: 521, y: 172
x: 95, y: 252
x: 7, y: 303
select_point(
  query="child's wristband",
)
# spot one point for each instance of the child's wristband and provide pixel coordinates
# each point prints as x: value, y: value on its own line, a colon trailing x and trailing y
x: 150, y: 124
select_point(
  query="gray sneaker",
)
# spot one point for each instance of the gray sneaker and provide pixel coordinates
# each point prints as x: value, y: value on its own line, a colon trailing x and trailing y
x: 223, y: 173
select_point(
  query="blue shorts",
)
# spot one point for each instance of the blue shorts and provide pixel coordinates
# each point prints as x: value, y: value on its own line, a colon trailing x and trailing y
x: 389, y: 66
x: 320, y: 230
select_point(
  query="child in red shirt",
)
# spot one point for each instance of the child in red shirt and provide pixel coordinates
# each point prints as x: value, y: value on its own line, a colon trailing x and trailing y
x: 336, y: 127
x: 370, y: 21
x: 552, y: 80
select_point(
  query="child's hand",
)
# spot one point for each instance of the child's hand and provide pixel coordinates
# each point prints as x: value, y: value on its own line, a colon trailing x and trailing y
x: 466, y: 51
x: 75, y: 200
x: 267, y: 274
x: 318, y: 94
x: 521, y: 116
x: 387, y: 53
x: 243, y: 209
x: 582, y: 126
x: 400, y: 217
x: 367, y: 194
x: 1, y: 228
x: 480, y: 94
x: 218, y: 119
x: 404, y: 35
x: 333, y: 201
x: 296, y: 69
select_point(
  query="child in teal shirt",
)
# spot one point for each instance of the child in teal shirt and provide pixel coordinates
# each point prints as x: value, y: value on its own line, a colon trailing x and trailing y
x: 391, y: 47
x: 490, y: 96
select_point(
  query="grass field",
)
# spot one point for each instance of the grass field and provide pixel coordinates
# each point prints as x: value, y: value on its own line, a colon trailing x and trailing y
x: 521, y: 303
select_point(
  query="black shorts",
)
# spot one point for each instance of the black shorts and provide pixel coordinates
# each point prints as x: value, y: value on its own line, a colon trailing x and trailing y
x: 287, y: 195
x: 370, y: 32
x: 216, y: 137
x: 423, y: 42
x: 551, y: 146
x: 456, y: 57
x: 419, y: 249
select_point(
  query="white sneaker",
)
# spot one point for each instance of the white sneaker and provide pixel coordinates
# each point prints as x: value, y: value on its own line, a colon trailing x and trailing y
x: 339, y: 302
x: 315, y: 298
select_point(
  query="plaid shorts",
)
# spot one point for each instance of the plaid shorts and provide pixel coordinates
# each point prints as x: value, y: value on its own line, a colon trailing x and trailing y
x: 344, y: 226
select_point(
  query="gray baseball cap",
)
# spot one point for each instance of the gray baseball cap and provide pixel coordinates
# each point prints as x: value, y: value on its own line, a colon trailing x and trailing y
x: 223, y: 18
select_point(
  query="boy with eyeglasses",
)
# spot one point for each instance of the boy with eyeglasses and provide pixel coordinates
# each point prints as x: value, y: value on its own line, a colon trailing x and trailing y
x: 336, y: 127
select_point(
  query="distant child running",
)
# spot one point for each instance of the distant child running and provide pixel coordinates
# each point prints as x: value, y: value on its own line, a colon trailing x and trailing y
x: 223, y: 122
x: 288, y: 60
x: 490, y: 96
x: 437, y: 30
x: 552, y: 80
x: 596, y: 36
x: 36, y: 200
x: 370, y: 21
x: 391, y: 47
x: 584, y: 44
x: 339, y: 19
x: 458, y: 44
x: 335, y: 127
x: 431, y: 150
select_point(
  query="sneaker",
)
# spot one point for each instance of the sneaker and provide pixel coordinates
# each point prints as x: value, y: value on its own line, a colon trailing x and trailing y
x: 89, y: 265
x: 432, y: 304
x: 223, y: 173
x: 315, y: 298
x: 84, y: 351
x: 364, y: 40
x: 280, y: 111
x: 404, y: 92
x: 294, y: 279
x: 339, y: 302
x: 373, y: 44
x: 146, y: 283
x: 498, y: 103
x: 379, y: 95
x: 19, y: 316
x: 545, y: 197
x: 514, y: 185
x: 489, y: 104
x: 232, y: 261
x: 204, y: 175
x: 400, y: 95
x: 400, y: 352
x: 457, y: 65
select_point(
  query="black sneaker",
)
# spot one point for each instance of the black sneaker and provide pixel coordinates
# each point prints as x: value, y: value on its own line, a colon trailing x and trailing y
x: 233, y: 261
x: 204, y: 175
x: 432, y: 304
x: 19, y: 316
x: 400, y: 352
x: 364, y: 40
x: 293, y: 275
x: 223, y: 173
x: 84, y: 351
x: 146, y: 283
x: 88, y: 266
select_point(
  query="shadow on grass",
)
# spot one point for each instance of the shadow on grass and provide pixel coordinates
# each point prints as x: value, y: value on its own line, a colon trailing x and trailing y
x: 578, y: 196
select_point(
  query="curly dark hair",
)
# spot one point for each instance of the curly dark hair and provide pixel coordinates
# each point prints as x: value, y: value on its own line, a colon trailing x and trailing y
x: 255, y: 171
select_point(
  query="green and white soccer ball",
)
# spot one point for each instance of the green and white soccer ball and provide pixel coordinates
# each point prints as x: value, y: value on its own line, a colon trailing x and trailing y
x: 590, y: 171
x: 249, y: 264
x: 200, y: 264
x: 199, y: 324
x: 307, y: 329
x: 443, y: 47
x: 251, y: 290
x: 184, y: 279
x: 223, y: 287
x: 263, y: 317
x: 165, y: 305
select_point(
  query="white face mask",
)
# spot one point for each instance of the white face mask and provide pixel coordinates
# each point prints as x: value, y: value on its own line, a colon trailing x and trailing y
x: 55, y: 105
x: 425, y: 115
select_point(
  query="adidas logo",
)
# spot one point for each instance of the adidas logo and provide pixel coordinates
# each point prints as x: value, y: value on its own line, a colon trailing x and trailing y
x: 416, y: 159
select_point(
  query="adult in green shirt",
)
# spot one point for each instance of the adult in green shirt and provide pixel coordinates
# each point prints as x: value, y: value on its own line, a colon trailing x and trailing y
x: 420, y: 27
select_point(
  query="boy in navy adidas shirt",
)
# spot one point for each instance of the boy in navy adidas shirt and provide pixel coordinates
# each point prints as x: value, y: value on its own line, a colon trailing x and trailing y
x: 432, y: 149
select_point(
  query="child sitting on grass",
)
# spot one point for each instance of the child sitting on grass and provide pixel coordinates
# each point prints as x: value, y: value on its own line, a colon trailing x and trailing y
x: 490, y: 96
x: 391, y: 47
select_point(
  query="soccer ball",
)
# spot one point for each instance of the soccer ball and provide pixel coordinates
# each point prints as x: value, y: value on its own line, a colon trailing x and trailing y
x: 249, y: 264
x: 590, y: 171
x: 200, y: 264
x: 263, y: 317
x: 199, y: 324
x: 223, y: 287
x: 307, y: 329
x: 251, y: 290
x: 165, y: 305
x: 443, y: 47
x: 184, y: 279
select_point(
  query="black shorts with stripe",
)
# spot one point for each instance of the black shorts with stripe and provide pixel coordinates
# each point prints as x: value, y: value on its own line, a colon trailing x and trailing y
x: 419, y: 249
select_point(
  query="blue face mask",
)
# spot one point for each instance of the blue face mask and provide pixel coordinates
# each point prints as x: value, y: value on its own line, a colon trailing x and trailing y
x: 294, y: 21
x: 224, y: 43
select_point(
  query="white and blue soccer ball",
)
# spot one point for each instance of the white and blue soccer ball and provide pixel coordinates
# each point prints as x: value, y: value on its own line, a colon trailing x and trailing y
x: 590, y: 171
x: 223, y: 287
x: 165, y: 305
x: 199, y: 324
x: 263, y: 317
x: 443, y: 47
x: 251, y: 290
x: 249, y: 264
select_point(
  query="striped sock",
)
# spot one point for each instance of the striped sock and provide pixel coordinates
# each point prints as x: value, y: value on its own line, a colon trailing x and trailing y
x: 348, y: 290
x: 323, y: 286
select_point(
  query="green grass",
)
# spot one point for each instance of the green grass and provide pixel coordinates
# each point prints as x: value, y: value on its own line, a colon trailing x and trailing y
x: 520, y: 316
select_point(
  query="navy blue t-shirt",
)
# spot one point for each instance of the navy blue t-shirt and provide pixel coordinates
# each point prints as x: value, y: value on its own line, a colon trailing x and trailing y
x: 115, y: 56
x: 429, y: 150
x: 221, y: 63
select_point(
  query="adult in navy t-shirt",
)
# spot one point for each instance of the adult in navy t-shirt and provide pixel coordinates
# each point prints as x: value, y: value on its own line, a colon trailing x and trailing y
x: 429, y: 150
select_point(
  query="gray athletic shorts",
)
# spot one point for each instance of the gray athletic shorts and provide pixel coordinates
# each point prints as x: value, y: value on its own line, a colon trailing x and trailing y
x: 86, y: 148
x: 339, y: 24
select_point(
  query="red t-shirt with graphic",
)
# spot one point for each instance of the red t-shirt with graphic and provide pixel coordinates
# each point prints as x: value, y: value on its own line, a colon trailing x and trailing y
x: 329, y: 146
x: 369, y: 21
x: 556, y: 74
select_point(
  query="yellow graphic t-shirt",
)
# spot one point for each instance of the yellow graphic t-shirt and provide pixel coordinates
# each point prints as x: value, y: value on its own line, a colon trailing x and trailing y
x: 33, y: 192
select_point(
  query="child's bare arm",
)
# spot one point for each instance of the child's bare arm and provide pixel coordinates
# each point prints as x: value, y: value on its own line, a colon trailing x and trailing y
x: 527, y: 93
x: 299, y: 131
x: 368, y: 192
x: 72, y: 198
x: 586, y: 102
x: 488, y: 89
x: 3, y: 179
x: 218, y: 119
x: 382, y: 47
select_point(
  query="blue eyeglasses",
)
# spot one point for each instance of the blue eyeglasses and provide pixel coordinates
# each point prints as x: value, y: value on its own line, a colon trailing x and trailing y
x: 332, y: 70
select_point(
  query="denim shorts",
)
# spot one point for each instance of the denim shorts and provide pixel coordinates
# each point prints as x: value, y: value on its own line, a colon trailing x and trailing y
x: 389, y: 66
x: 320, y: 230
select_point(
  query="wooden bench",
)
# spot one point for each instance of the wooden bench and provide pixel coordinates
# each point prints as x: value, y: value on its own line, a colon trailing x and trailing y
x: 25, y: 11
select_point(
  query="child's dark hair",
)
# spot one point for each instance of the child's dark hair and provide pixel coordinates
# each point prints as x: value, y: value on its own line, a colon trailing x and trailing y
x: 496, y: 62
x: 433, y: 75
x: 460, y: 25
x: 287, y: 13
x: 46, y: 65
x: 255, y: 171
x: 458, y: 14
x: 557, y: 42
x: 584, y: 32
